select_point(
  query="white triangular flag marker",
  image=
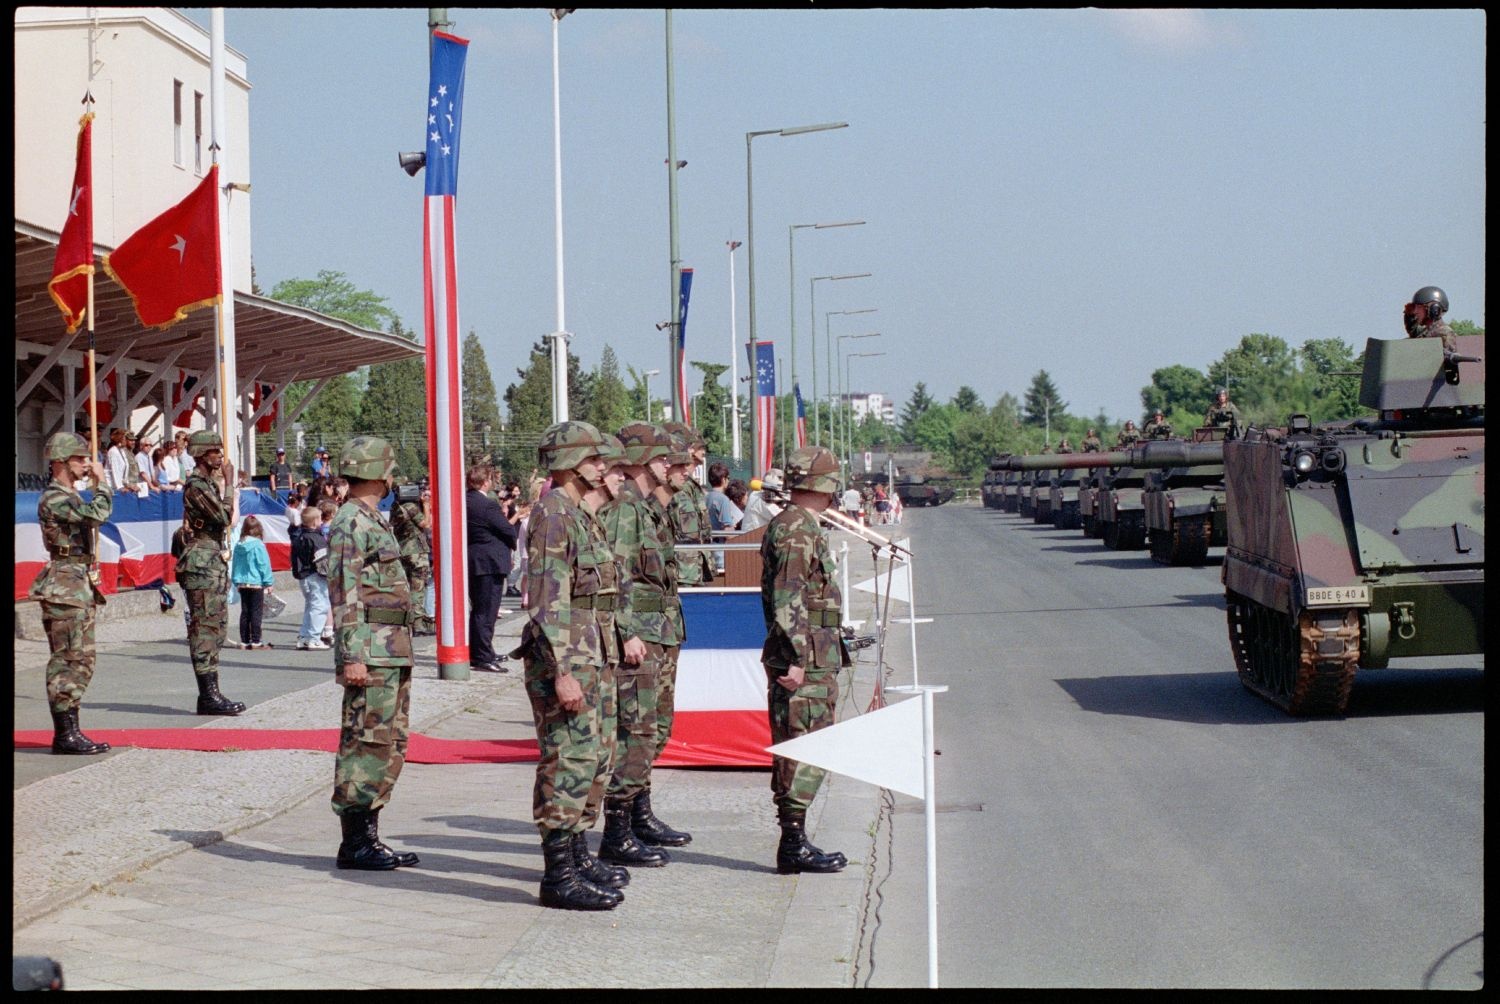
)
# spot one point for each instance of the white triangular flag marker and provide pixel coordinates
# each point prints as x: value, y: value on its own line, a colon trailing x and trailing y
x: 881, y: 747
x: 900, y: 583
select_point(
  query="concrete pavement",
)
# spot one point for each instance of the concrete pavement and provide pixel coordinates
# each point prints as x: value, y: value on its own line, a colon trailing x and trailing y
x: 159, y: 869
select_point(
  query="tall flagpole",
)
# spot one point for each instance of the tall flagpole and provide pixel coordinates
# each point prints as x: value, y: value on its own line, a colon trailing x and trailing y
x: 88, y: 110
x: 228, y: 378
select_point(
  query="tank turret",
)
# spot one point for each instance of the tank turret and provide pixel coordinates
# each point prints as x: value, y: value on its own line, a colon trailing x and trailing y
x: 1359, y: 542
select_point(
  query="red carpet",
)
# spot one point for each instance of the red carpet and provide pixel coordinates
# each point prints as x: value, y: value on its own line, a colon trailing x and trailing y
x: 687, y: 748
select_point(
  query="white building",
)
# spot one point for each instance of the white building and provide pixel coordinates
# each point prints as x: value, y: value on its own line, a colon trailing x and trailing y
x: 151, y: 135
x: 862, y: 404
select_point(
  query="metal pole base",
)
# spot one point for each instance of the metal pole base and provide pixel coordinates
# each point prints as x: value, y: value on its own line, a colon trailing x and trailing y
x: 453, y: 671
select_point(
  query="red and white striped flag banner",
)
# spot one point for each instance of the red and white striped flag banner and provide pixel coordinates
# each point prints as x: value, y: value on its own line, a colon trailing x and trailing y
x: 764, y: 365
x: 444, y: 402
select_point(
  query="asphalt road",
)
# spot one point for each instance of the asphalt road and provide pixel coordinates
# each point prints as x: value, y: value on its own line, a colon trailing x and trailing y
x: 1115, y: 810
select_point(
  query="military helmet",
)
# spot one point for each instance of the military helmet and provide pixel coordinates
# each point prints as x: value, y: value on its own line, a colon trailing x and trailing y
x: 645, y: 442
x: 202, y: 441
x: 567, y: 444
x: 367, y: 458
x: 692, y: 436
x: 64, y: 445
x: 1431, y: 294
x: 613, y: 451
x: 682, y: 449
x: 813, y: 469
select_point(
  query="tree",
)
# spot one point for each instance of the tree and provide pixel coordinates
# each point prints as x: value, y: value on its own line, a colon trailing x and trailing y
x: 481, y: 410
x: 967, y: 401
x: 529, y: 402
x: 394, y: 407
x: 1261, y: 374
x: 1043, y: 404
x: 333, y: 294
x: 1174, y: 387
x: 1461, y: 327
x: 918, y: 405
x: 610, y: 407
x: 709, y: 413
x: 1331, y: 395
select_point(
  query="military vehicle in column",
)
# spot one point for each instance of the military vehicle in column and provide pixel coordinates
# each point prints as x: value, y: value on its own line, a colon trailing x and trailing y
x: 1088, y: 498
x: 1185, y: 507
x: 1010, y: 487
x: 994, y: 476
x: 1041, y: 494
x: 1119, y: 506
x: 916, y: 491
x: 1025, y: 486
x: 1360, y: 542
x: 1064, y: 497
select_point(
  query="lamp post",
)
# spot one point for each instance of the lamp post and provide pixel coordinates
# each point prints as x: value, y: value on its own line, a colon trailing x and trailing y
x: 828, y: 351
x: 872, y: 334
x: 647, y: 377
x: 848, y: 430
x: 734, y: 365
x: 812, y: 286
x: 756, y: 468
x: 791, y: 257
x: 559, y: 337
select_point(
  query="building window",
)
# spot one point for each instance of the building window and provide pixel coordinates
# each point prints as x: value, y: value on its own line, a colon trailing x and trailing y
x: 177, y: 122
x: 197, y: 133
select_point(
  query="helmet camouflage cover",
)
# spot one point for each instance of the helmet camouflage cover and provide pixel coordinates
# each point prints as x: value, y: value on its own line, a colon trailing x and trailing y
x: 690, y: 435
x: 64, y: 445
x: 613, y: 451
x: 202, y: 441
x: 567, y: 444
x: 813, y: 469
x: 645, y: 442
x: 367, y: 458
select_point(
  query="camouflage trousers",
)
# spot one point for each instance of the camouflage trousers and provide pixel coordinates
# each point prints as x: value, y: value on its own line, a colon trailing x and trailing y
x: 576, y: 750
x: 70, y: 636
x: 418, y: 575
x: 372, y: 740
x: 208, y: 618
x: 796, y: 713
x: 637, y: 736
x: 666, y: 701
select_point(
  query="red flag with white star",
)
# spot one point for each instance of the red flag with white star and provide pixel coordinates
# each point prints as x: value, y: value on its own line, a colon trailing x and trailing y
x: 171, y: 265
x: 74, y: 263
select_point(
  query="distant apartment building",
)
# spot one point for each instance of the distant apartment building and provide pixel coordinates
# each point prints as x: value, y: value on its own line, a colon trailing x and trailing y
x: 862, y: 404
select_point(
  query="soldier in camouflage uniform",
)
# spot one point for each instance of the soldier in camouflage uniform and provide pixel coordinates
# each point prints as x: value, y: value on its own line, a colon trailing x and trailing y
x: 804, y: 648
x: 1224, y: 414
x: 1128, y: 435
x: 689, y: 513
x: 66, y: 588
x: 372, y: 617
x: 569, y: 647
x: 1091, y: 442
x: 1158, y: 427
x: 1423, y: 317
x: 1063, y: 446
x: 203, y: 569
x: 409, y: 524
x: 650, y: 624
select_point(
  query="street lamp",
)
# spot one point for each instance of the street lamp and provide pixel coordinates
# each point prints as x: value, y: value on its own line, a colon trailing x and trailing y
x: 848, y: 383
x: 559, y: 338
x: 647, y: 377
x: 840, y: 348
x: 756, y: 467
x: 734, y: 365
x: 812, y: 287
x: 791, y: 256
x: 828, y: 351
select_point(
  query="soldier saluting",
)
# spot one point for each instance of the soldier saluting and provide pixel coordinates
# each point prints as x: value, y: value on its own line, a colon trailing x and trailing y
x: 203, y: 569
x: 372, y: 619
x: 804, y: 648
x: 66, y: 588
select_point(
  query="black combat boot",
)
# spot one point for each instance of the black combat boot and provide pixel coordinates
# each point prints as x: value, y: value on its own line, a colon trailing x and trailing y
x: 591, y: 868
x: 796, y: 855
x: 210, y: 701
x: 404, y: 859
x: 620, y: 844
x: 650, y: 830
x: 358, y: 849
x: 562, y: 886
x: 67, y: 739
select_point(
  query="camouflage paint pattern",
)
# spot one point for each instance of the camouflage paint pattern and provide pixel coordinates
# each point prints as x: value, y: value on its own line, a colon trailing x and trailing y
x: 636, y: 731
x: 640, y: 534
x: 203, y: 569
x: 666, y: 698
x: 63, y: 588
x: 573, y: 751
x: 1402, y: 520
x: 689, y: 518
x: 372, y: 740
x: 416, y: 554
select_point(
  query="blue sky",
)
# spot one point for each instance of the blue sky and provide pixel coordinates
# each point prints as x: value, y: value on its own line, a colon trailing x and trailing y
x: 1096, y: 193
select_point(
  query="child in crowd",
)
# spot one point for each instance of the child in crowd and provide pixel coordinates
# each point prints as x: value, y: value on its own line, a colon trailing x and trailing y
x: 251, y: 575
x: 309, y: 553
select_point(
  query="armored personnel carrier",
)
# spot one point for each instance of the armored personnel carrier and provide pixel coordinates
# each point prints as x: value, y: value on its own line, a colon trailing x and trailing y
x: 1357, y: 543
x: 1185, y: 508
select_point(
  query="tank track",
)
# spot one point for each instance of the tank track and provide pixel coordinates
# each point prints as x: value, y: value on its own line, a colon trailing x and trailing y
x: 1187, y: 544
x: 1305, y: 668
x: 1127, y: 531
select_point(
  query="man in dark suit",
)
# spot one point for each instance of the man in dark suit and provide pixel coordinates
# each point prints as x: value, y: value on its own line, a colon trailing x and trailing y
x: 492, y: 538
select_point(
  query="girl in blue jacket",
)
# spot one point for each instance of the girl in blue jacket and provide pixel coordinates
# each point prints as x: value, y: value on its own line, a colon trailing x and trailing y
x: 251, y: 575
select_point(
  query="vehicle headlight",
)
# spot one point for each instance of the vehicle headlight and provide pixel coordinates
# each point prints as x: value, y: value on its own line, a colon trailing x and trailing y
x: 1303, y: 462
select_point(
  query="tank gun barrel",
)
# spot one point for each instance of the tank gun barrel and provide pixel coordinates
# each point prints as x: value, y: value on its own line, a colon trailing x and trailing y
x: 1054, y: 461
x: 1155, y: 453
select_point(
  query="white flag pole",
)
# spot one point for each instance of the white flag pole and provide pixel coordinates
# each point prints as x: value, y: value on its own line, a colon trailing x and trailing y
x: 929, y: 811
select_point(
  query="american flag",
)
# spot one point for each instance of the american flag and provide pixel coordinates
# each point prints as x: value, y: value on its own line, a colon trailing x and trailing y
x: 765, y: 401
x: 801, y: 416
x: 682, y: 390
x: 440, y: 305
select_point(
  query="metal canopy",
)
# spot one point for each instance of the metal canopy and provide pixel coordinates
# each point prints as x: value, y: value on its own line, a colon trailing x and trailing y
x: 283, y: 342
